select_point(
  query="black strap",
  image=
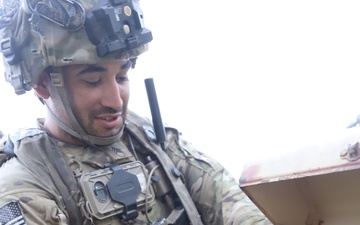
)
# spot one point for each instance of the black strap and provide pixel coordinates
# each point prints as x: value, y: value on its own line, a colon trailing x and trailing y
x: 133, y: 127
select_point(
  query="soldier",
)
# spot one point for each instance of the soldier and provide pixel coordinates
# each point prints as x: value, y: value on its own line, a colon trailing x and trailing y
x: 91, y: 160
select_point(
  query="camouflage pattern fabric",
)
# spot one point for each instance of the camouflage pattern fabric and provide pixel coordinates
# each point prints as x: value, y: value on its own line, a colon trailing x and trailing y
x: 39, y: 43
x: 215, y: 193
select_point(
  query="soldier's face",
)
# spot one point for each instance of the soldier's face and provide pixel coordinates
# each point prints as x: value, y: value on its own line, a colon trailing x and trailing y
x: 99, y: 95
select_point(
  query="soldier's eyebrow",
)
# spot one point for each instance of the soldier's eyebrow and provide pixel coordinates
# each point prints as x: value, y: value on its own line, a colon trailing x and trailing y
x: 97, y: 68
x: 92, y: 69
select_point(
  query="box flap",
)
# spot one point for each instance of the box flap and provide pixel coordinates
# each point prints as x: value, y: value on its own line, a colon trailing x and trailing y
x: 315, y: 185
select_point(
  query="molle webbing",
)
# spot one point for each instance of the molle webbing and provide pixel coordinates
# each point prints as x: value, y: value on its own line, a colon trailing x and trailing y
x: 133, y: 125
x: 42, y: 157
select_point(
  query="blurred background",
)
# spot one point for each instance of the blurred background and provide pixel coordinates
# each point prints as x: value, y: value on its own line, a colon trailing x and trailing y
x: 242, y: 80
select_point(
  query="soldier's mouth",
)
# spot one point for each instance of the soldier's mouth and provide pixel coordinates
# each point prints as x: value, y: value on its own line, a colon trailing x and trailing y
x: 109, y: 118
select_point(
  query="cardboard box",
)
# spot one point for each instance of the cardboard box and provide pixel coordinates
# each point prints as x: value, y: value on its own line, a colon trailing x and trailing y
x: 318, y: 184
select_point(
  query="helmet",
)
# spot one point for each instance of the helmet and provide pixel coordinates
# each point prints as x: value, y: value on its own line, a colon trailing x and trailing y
x: 36, y: 34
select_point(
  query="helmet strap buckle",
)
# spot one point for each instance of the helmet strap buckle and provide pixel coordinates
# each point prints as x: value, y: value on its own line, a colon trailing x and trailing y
x: 57, y: 79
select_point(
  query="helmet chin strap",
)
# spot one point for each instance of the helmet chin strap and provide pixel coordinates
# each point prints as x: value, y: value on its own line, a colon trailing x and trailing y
x: 77, y: 131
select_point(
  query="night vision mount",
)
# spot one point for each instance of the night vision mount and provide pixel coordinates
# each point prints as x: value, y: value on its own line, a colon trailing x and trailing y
x: 116, y: 26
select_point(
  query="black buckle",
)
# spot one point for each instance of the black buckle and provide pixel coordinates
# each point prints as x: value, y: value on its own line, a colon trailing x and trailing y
x: 125, y: 188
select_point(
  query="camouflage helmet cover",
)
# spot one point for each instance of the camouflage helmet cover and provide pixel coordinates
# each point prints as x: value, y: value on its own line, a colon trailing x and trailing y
x: 37, y: 34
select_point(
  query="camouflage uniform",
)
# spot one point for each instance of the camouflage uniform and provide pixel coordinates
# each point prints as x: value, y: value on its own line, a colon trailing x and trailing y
x: 39, y: 184
x: 215, y: 193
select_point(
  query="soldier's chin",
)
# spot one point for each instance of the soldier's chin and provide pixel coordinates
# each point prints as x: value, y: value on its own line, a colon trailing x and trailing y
x: 109, y: 132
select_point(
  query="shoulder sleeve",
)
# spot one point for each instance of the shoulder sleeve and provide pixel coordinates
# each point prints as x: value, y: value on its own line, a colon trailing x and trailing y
x: 216, y: 194
x: 25, y: 201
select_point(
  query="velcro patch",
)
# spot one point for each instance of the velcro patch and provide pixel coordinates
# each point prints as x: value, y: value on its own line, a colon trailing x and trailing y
x: 11, y: 214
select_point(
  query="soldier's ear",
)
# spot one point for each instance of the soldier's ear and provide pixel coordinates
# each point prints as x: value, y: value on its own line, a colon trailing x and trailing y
x: 42, y: 86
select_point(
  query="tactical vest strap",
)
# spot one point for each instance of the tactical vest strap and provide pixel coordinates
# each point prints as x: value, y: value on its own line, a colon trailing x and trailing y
x: 134, y: 126
x: 43, y: 158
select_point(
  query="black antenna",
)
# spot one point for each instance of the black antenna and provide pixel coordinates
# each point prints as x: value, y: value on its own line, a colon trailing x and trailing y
x: 155, y: 112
